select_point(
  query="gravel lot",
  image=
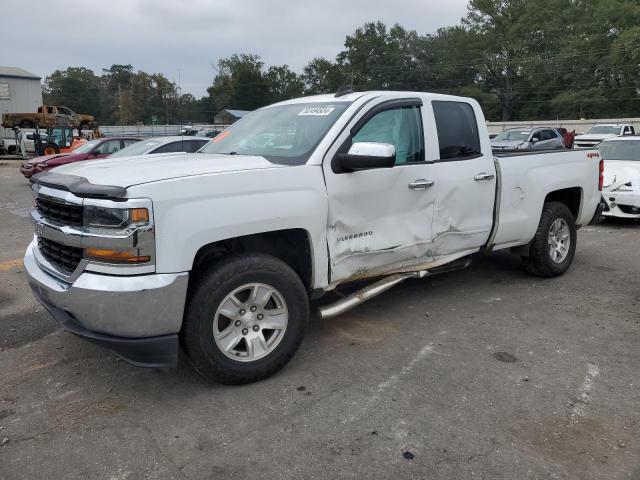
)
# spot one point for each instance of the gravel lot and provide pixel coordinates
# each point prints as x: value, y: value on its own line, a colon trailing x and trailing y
x: 485, y: 373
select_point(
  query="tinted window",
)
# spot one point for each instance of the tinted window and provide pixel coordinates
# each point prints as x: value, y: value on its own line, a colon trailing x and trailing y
x: 401, y: 127
x: 193, y: 146
x: 457, y: 130
x: 628, y: 150
x: 548, y: 135
x: 170, y: 147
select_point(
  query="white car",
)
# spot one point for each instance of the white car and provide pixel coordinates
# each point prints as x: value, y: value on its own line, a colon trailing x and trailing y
x: 157, y: 145
x: 221, y: 251
x: 600, y: 132
x: 621, y: 190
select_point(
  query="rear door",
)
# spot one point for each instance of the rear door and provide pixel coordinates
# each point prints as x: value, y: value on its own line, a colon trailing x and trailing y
x: 466, y: 180
x: 380, y: 219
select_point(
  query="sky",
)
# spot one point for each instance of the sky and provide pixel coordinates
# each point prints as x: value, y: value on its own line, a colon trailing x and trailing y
x: 183, y: 39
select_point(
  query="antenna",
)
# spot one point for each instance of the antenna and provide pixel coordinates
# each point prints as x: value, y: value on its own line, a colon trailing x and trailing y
x: 343, y: 90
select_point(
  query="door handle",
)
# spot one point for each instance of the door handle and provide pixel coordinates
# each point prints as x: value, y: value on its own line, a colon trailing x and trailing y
x: 484, y: 176
x: 420, y: 183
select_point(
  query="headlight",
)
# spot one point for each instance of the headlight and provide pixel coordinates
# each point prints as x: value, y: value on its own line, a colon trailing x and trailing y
x: 114, y: 218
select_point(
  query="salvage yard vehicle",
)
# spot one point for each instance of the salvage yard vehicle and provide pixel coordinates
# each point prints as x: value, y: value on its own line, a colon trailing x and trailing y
x: 157, y: 145
x: 98, y: 148
x: 221, y: 251
x: 621, y: 191
x: 598, y: 133
x: 48, y: 115
x: 543, y: 138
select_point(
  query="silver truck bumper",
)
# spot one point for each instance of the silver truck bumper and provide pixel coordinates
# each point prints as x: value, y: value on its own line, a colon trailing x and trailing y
x: 119, y: 312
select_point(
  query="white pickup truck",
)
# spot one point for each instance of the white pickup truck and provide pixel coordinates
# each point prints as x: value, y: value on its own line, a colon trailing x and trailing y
x: 600, y: 132
x: 220, y: 251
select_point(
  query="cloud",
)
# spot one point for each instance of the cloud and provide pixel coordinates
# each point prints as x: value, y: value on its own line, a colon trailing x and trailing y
x: 189, y: 36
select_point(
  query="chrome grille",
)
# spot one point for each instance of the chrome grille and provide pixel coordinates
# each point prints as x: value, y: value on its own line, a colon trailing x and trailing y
x: 59, y: 212
x: 63, y: 257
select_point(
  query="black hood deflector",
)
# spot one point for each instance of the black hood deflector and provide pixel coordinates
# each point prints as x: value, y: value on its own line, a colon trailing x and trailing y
x: 79, y: 186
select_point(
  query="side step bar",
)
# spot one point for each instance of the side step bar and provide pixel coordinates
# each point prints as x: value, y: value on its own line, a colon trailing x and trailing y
x: 381, y: 286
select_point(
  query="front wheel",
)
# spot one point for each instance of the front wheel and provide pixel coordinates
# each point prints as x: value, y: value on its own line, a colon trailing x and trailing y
x: 245, y: 318
x: 554, y: 244
x: 51, y: 149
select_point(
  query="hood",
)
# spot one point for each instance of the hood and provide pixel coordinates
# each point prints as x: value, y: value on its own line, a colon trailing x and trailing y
x: 595, y: 137
x: 506, y: 143
x: 128, y: 171
x: 619, y: 172
x: 44, y: 158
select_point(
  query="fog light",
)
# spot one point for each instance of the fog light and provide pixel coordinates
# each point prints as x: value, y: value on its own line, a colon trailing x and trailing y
x: 115, y: 256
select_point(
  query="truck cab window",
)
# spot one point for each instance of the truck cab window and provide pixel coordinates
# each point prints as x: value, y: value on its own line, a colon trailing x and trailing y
x: 401, y: 127
x: 457, y: 130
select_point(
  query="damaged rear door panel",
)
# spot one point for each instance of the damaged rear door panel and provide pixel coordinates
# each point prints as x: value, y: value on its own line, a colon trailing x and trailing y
x: 466, y: 188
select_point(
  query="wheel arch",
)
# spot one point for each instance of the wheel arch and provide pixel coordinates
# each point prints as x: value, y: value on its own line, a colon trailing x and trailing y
x: 293, y: 246
x: 572, y: 197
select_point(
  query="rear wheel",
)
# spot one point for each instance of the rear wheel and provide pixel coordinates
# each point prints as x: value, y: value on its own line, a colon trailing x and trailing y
x: 245, y: 319
x: 554, y: 244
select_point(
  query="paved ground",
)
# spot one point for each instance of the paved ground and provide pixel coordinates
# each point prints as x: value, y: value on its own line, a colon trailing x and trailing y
x: 480, y: 374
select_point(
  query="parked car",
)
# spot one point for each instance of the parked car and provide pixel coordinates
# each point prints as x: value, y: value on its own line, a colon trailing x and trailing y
x: 621, y: 190
x: 198, y: 132
x: 155, y: 145
x: 528, y: 139
x: 99, y: 148
x: 600, y: 132
x: 221, y: 251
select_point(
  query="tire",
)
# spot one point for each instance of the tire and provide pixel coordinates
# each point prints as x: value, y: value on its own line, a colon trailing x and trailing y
x: 541, y: 262
x: 50, y: 149
x: 211, y: 294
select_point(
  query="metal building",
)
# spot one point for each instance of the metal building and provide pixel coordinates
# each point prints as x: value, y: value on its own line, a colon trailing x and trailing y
x: 20, y: 91
x: 227, y: 117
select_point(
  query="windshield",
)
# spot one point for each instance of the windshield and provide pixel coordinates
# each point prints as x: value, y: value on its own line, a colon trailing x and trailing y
x: 282, y: 134
x: 87, y: 147
x: 511, y: 135
x: 604, y: 130
x: 620, y: 150
x: 137, y: 148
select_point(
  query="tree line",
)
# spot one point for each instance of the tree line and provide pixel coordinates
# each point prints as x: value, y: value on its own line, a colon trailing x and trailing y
x: 521, y: 59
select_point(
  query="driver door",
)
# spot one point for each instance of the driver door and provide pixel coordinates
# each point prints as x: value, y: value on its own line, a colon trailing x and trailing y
x: 380, y: 219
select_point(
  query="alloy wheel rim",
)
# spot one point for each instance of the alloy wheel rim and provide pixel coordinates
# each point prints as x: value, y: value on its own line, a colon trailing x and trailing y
x: 559, y: 240
x: 250, y: 322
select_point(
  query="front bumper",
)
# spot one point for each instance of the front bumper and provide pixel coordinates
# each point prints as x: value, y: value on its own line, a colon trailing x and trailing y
x: 622, y: 204
x: 28, y: 172
x: 138, y: 317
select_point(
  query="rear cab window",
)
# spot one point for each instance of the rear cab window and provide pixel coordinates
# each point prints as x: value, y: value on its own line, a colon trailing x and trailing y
x: 457, y: 128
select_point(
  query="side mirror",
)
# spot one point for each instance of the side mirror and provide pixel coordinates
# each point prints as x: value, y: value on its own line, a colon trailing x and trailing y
x: 368, y: 155
x: 534, y: 139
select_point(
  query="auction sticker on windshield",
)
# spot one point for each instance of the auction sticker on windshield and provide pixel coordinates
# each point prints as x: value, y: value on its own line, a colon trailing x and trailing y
x: 317, y: 111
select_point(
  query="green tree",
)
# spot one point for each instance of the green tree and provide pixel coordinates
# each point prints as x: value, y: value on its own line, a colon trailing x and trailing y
x: 322, y: 76
x: 283, y: 83
x: 77, y: 88
x: 240, y: 83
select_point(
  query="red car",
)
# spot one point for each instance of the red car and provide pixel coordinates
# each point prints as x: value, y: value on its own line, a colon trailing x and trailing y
x: 98, y: 148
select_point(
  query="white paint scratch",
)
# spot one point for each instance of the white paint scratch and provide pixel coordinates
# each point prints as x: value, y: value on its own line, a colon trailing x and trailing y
x: 584, y: 392
x: 391, y: 382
